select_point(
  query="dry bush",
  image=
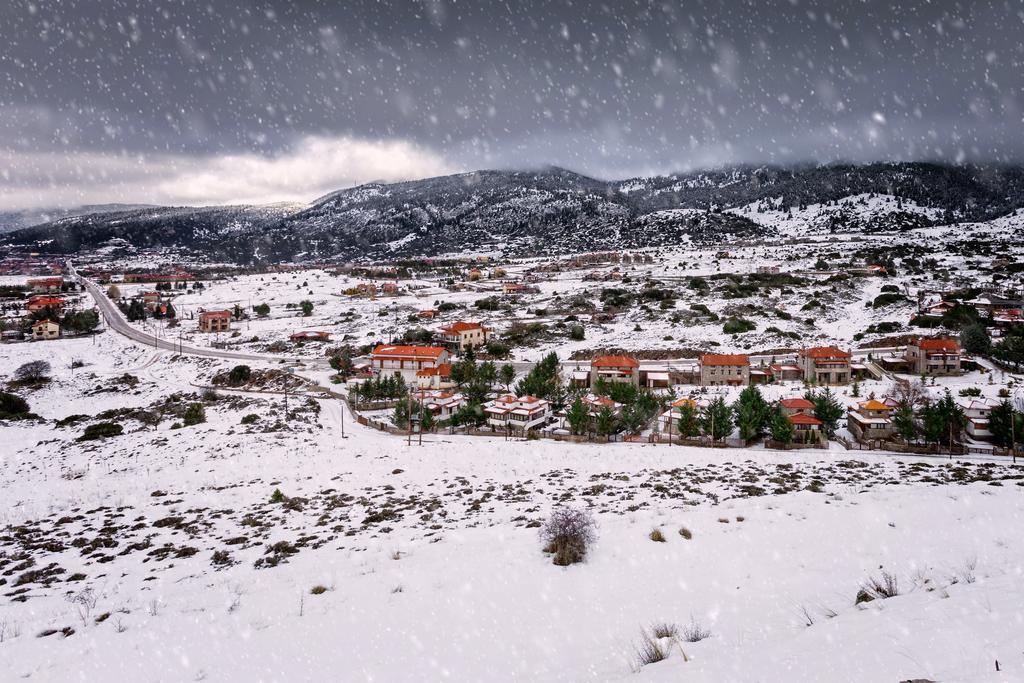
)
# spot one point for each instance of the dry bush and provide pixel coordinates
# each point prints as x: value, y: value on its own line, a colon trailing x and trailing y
x: 318, y: 590
x: 568, y: 534
x: 685, y: 533
x: 723, y: 520
x: 878, y: 588
x: 649, y: 650
x: 694, y: 632
x: 657, y: 536
x: 665, y: 630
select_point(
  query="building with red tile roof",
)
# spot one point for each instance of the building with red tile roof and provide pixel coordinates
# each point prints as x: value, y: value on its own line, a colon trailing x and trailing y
x: 722, y: 369
x: 825, y: 365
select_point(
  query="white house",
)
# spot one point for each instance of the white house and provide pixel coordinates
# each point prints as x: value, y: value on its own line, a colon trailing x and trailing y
x: 406, y: 361
x: 977, y: 412
x: 519, y: 414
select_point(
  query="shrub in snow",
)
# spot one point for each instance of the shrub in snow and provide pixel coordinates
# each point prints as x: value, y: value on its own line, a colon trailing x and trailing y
x: 12, y: 406
x: 657, y: 536
x: 101, y: 430
x: 318, y: 590
x: 665, y: 630
x: 650, y: 650
x: 694, y: 632
x: 33, y: 372
x: 194, y: 414
x: 278, y: 497
x: 878, y: 588
x: 568, y: 534
x: 685, y: 533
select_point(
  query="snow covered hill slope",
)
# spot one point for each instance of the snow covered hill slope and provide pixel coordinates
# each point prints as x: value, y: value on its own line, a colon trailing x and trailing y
x: 557, y: 211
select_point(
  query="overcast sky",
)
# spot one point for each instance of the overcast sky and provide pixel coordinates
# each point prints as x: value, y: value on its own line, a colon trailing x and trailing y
x: 228, y: 101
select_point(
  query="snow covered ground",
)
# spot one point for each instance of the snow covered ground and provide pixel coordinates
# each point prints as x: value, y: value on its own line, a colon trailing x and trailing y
x: 430, y: 560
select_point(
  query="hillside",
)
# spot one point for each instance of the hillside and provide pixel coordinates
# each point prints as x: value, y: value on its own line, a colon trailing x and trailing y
x: 554, y: 211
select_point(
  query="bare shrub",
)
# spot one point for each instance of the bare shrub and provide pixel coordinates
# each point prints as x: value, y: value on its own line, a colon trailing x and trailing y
x: 694, y: 632
x: 84, y: 601
x: 649, y: 650
x: 723, y: 520
x: 878, y: 588
x: 657, y: 536
x: 568, y: 534
x: 119, y: 626
x: 966, y: 572
x: 685, y: 533
x: 318, y: 590
x: 665, y: 630
x: 805, y: 616
x: 741, y: 518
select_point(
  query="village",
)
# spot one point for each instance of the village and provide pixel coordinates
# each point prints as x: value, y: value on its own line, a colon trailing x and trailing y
x: 659, y: 346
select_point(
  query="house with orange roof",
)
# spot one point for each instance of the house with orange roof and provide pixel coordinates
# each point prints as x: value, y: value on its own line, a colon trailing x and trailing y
x: 825, y: 365
x: 796, y: 406
x: 442, y: 404
x: 406, y: 361
x: 933, y: 357
x: 806, y: 428
x: 615, y: 368
x: 214, y: 321
x: 46, y: 285
x: 871, y: 420
x: 668, y: 420
x: 722, y: 369
x: 38, y: 303
x: 518, y: 414
x: 438, y: 377
x: 461, y: 334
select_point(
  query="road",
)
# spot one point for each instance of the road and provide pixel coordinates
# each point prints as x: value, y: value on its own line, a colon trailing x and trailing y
x: 116, y: 322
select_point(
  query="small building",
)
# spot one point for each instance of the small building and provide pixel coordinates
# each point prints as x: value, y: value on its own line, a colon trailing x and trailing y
x: 310, y: 336
x: 767, y: 270
x: 977, y: 412
x: 785, y: 372
x: 615, y: 369
x: 870, y: 421
x: 214, y: 321
x: 45, y: 329
x: 367, y: 289
x: 796, y: 406
x: 825, y: 365
x: 46, y: 285
x: 428, y: 314
x: 407, y: 361
x: 517, y: 414
x: 38, y: 303
x: 459, y: 335
x: 441, y: 404
x: 389, y: 289
x: 806, y: 428
x: 668, y: 421
x: 439, y: 377
x: 720, y: 369
x: 933, y: 357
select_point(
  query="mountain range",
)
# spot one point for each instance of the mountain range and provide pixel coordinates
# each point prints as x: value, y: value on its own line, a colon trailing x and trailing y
x: 548, y: 211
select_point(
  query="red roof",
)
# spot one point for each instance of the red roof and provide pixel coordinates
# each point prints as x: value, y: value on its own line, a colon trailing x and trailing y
x: 825, y: 352
x: 803, y: 419
x: 615, y: 362
x: 725, y: 359
x: 44, y: 322
x: 948, y: 345
x: 797, y: 403
x: 460, y: 326
x: 206, y: 315
x: 416, y: 352
x: 444, y: 370
x: 45, y: 301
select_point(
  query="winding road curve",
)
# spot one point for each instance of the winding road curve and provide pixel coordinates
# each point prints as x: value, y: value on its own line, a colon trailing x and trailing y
x: 116, y: 322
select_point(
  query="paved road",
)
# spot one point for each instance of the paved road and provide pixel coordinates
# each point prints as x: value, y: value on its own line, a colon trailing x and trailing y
x: 116, y: 322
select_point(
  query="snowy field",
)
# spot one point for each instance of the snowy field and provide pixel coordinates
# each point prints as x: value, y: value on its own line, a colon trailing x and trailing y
x: 426, y: 560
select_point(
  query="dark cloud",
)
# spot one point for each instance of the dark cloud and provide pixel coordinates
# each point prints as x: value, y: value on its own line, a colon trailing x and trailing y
x: 609, y: 88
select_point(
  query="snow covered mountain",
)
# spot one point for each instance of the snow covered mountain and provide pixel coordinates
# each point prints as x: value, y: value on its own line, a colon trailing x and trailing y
x: 557, y: 211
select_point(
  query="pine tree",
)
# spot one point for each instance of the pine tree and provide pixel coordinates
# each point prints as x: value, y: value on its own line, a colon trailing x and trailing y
x: 752, y: 413
x: 827, y: 409
x: 716, y: 421
x: 781, y: 428
x: 606, y: 421
x: 904, y: 423
x: 689, y: 421
x: 578, y: 416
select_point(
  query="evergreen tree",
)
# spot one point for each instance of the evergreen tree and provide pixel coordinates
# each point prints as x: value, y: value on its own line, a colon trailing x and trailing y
x: 974, y: 339
x: 578, y: 416
x: 781, y: 428
x: 689, y: 421
x: 952, y: 419
x: 427, y: 422
x: 716, y: 420
x: 606, y: 421
x: 1000, y: 423
x: 752, y: 413
x: 904, y: 423
x: 507, y: 375
x: 827, y: 409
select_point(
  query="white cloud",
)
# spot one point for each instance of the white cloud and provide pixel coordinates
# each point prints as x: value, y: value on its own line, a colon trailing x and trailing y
x: 314, y: 166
